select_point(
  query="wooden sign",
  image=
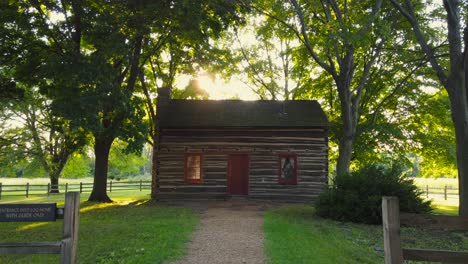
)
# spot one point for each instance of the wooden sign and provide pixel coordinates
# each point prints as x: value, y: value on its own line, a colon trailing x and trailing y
x: 27, y: 212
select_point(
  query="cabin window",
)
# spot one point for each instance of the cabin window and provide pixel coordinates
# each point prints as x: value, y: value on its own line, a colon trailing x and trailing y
x: 288, y: 169
x: 193, y: 168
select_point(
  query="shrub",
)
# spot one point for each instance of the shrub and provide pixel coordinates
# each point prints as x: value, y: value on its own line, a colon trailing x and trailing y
x: 357, y: 196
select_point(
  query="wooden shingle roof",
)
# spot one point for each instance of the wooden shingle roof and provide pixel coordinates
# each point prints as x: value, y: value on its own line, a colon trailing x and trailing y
x: 237, y: 113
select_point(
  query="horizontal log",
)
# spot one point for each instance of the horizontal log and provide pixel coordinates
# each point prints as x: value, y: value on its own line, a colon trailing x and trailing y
x: 274, y: 182
x: 300, y: 167
x: 245, y: 139
x: 204, y: 183
x: 301, y: 145
x: 190, y: 189
x: 273, y: 174
x: 434, y: 221
x: 189, y: 196
x: 31, y: 248
x: 245, y: 132
x: 435, y: 255
x: 319, y: 156
x: 300, y: 186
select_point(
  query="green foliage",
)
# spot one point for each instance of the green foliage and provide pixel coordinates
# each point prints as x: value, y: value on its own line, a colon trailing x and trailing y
x: 124, y: 164
x: 31, y: 133
x: 357, y: 196
x: 22, y: 168
x: 78, y: 166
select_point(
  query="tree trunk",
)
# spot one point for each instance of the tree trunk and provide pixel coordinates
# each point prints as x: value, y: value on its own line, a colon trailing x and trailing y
x: 462, y: 137
x: 348, y: 113
x: 345, y: 152
x: 459, y: 110
x: 101, y: 151
x: 462, y: 162
x: 54, y: 183
x: 55, y: 169
x: 154, y: 169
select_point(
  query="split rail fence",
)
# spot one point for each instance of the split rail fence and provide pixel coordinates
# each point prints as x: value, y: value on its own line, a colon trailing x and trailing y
x: 446, y: 192
x: 27, y: 189
x: 395, y: 254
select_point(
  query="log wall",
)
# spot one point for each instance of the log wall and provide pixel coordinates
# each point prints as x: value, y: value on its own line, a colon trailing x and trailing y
x: 263, y: 147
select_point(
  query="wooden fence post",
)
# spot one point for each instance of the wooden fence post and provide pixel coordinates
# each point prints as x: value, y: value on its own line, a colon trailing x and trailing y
x: 110, y: 186
x: 71, y: 220
x: 141, y: 182
x: 427, y: 191
x: 66, y: 187
x: 445, y: 192
x: 0, y: 190
x: 391, y: 230
x: 81, y: 187
x: 48, y: 189
x: 27, y: 189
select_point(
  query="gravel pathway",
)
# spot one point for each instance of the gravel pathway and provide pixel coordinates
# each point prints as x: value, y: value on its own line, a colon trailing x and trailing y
x: 229, y: 232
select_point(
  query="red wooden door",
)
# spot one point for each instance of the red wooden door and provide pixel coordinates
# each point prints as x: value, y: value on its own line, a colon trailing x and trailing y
x: 238, y: 174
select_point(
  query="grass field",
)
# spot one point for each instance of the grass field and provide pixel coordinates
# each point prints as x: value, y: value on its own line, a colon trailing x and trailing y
x: 436, y: 183
x: 20, y: 181
x: 295, y: 235
x: 130, y: 230
x: 19, y: 197
x: 134, y: 230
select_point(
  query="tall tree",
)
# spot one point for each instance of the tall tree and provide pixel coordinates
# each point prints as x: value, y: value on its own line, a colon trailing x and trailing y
x: 31, y: 129
x: 346, y: 39
x: 34, y: 133
x: 264, y: 53
x: 452, y: 76
x: 106, y: 46
x: 84, y: 55
x: 183, y: 44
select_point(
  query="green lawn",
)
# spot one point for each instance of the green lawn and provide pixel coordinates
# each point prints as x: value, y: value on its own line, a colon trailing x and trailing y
x: 436, y: 183
x: 127, y: 231
x: 293, y: 234
x: 133, y: 230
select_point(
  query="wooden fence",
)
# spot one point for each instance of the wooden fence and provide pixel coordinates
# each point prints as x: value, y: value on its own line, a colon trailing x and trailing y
x: 27, y: 189
x: 395, y: 254
x: 447, y: 192
x: 67, y: 247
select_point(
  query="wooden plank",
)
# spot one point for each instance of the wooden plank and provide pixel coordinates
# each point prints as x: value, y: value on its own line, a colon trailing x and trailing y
x: 435, y: 221
x: 251, y: 139
x: 435, y: 255
x: 189, y: 196
x: 391, y: 230
x: 284, y: 198
x: 191, y: 189
x: 245, y: 132
x: 239, y: 144
x: 70, y: 228
x: 31, y: 248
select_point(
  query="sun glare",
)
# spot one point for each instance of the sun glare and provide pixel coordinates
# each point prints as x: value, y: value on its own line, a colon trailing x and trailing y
x: 219, y: 89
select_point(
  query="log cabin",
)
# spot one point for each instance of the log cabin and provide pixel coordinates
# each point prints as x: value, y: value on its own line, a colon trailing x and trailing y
x: 216, y: 149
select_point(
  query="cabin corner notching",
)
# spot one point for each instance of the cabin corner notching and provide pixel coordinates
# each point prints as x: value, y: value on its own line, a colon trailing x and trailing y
x: 275, y: 150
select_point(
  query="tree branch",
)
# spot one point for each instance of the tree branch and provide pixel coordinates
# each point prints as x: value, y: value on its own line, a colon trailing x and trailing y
x: 411, y: 17
x: 306, y: 41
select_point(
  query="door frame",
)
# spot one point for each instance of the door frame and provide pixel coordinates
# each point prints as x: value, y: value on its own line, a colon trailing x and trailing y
x: 229, y: 171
